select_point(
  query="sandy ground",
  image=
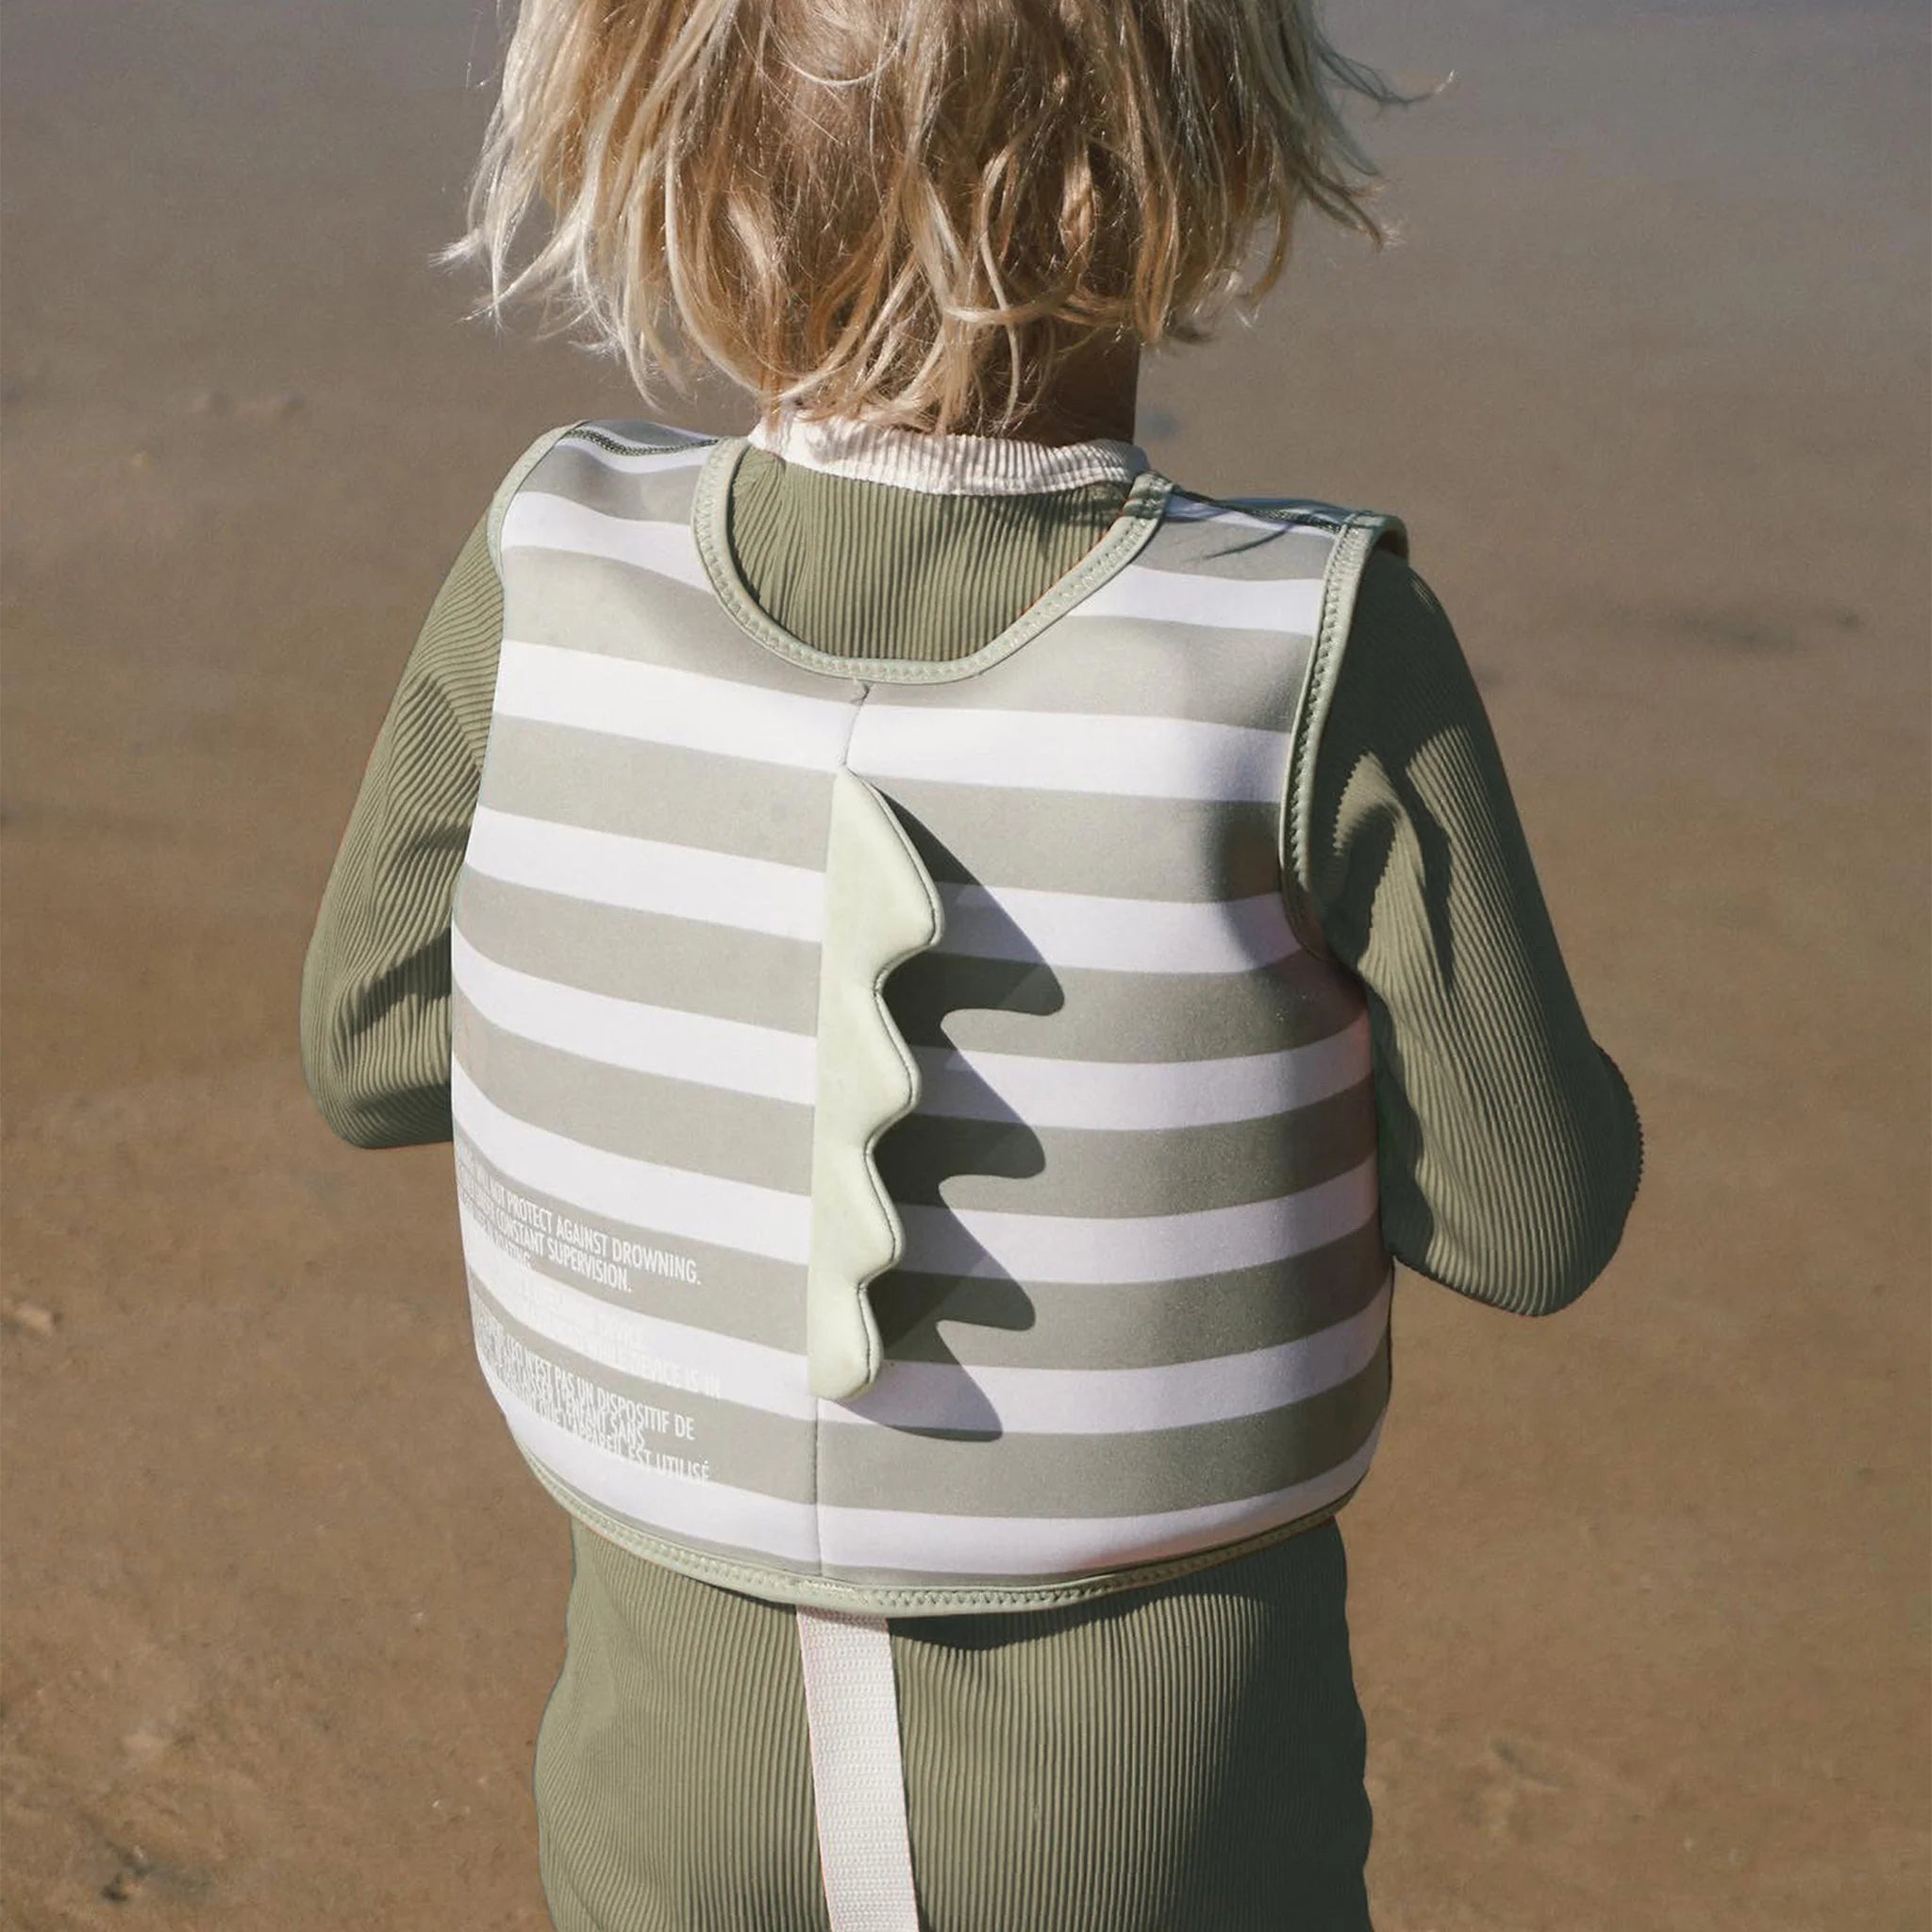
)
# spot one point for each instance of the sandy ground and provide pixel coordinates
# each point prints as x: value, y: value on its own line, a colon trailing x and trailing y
x: 1639, y: 1594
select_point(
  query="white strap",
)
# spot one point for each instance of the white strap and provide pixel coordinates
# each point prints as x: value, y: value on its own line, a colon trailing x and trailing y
x: 859, y: 1781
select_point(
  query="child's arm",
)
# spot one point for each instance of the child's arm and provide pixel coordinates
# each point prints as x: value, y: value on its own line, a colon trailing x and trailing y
x: 376, y: 986
x: 1510, y: 1147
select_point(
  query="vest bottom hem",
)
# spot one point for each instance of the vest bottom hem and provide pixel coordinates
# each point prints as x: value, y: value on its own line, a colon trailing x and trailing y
x: 826, y: 1592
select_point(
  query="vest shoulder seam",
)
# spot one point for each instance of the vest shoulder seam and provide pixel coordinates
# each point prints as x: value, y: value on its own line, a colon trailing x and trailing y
x: 654, y: 439
x: 1288, y: 512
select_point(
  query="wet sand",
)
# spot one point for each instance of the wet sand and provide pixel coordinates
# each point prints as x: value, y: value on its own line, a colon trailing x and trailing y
x: 1639, y: 1594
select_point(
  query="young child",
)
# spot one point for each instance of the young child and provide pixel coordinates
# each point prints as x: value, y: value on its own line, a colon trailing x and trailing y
x: 954, y: 967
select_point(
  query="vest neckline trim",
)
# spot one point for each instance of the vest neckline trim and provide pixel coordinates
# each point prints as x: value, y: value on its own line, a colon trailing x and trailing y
x: 1138, y: 517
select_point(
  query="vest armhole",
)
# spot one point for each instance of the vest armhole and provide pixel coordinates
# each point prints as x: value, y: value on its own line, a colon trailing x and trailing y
x: 507, y: 489
x: 1365, y: 531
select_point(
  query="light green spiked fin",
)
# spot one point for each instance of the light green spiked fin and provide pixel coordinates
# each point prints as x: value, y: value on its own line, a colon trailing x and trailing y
x: 881, y: 907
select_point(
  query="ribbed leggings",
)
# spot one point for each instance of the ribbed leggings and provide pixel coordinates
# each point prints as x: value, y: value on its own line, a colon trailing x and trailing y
x: 1187, y: 1757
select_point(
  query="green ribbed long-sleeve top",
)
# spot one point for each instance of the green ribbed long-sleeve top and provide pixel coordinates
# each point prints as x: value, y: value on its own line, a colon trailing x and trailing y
x: 1510, y: 1145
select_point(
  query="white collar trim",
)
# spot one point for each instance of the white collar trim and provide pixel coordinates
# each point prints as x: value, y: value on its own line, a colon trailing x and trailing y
x: 944, y: 465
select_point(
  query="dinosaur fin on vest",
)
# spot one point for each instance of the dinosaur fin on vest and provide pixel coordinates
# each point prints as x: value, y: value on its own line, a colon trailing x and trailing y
x: 881, y: 906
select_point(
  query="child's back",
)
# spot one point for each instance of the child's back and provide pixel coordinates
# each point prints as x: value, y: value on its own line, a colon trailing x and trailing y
x: 960, y: 984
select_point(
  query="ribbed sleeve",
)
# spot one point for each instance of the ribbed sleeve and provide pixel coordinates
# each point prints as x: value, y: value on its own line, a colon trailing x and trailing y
x: 376, y: 986
x: 1510, y: 1145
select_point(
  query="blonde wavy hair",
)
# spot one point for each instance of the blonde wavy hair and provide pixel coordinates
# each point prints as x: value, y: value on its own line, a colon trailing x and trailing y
x: 851, y: 206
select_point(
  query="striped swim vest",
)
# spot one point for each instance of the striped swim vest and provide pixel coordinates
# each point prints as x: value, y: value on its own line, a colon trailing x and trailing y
x: 914, y: 1156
